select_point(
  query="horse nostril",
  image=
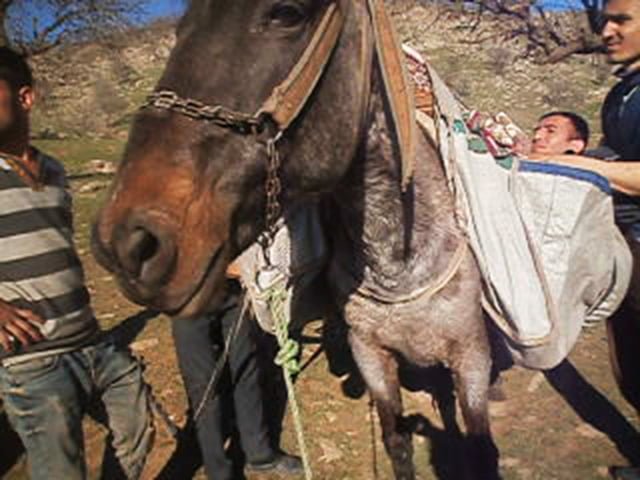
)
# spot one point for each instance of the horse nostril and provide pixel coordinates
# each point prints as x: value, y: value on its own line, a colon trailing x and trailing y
x: 139, y: 247
x: 144, y: 246
x: 145, y: 251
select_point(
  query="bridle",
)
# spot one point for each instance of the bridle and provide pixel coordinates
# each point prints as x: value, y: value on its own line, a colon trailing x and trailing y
x: 281, y: 108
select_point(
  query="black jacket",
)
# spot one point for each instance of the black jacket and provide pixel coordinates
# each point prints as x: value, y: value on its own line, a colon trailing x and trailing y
x: 621, y: 127
x: 621, y: 118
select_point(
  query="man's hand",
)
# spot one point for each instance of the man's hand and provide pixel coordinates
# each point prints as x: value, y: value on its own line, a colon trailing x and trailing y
x: 18, y: 323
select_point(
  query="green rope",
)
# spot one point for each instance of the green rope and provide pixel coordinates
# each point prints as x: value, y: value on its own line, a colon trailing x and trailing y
x: 287, y: 359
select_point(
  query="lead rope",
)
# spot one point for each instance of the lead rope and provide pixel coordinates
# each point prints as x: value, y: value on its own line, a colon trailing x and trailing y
x: 216, y: 375
x: 276, y: 298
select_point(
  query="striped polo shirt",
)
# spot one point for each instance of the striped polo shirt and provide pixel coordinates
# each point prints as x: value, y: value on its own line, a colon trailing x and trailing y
x: 39, y: 267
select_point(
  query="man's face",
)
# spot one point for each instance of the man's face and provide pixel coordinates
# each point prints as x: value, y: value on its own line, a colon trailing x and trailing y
x: 14, y: 107
x: 556, y: 135
x: 621, y: 33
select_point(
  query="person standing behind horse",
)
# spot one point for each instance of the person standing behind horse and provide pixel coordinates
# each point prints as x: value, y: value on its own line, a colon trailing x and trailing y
x: 53, y: 359
x: 200, y: 342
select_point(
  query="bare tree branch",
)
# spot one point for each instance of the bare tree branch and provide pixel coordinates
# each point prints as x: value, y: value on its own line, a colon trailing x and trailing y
x: 552, y: 32
x: 36, y: 26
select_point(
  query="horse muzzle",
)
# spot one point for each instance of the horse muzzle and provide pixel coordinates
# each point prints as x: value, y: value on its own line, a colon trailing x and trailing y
x: 141, y: 252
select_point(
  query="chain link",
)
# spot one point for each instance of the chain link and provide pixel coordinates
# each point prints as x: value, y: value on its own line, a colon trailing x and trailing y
x: 273, y: 187
x: 219, y: 115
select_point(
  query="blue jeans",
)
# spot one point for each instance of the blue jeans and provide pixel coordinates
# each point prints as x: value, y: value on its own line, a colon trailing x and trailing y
x: 46, y: 399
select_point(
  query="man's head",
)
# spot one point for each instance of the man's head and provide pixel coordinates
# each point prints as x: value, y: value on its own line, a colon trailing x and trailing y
x: 16, y: 93
x: 621, y: 31
x: 558, y: 133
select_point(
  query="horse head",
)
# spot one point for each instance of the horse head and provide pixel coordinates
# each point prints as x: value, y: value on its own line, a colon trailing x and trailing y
x: 246, y: 80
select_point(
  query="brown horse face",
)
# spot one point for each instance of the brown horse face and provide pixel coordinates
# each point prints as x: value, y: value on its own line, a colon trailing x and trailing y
x: 189, y: 196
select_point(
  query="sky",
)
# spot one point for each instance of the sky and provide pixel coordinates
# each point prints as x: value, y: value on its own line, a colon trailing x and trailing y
x: 163, y: 8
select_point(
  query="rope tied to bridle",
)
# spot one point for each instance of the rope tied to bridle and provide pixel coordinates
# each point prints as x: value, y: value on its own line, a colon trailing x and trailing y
x: 287, y: 359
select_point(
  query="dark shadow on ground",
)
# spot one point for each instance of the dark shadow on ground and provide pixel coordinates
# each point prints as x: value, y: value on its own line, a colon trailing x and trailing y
x: 595, y: 409
x: 339, y: 358
x: 128, y: 330
x: 186, y: 458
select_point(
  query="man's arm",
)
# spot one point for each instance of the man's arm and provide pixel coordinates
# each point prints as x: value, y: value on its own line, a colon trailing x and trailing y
x: 623, y: 176
x: 18, y: 323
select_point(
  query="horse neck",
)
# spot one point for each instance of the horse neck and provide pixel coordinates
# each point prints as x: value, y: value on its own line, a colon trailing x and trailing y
x: 395, y: 239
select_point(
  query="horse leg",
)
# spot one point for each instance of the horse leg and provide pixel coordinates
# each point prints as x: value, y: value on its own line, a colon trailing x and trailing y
x: 379, y: 369
x: 471, y: 376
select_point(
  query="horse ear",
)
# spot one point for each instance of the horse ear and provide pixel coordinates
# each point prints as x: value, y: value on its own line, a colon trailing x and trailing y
x: 397, y: 88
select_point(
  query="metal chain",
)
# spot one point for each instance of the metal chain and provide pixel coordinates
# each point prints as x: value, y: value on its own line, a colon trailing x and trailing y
x: 273, y: 187
x: 219, y: 115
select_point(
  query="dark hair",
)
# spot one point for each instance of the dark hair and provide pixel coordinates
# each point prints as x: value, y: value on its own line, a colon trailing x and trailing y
x: 580, y: 125
x: 14, y: 69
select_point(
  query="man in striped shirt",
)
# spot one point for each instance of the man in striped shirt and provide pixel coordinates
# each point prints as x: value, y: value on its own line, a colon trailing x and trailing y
x: 53, y: 360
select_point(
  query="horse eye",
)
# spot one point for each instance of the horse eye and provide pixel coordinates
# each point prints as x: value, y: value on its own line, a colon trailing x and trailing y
x: 286, y: 15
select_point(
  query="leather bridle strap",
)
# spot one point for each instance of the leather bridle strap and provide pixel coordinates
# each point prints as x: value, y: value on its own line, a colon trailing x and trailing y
x: 289, y: 98
x: 400, y: 94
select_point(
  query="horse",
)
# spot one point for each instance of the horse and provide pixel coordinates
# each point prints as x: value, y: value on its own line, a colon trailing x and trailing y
x: 201, y: 179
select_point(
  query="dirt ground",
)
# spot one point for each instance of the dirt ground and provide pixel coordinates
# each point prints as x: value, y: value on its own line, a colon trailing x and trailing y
x: 570, y: 425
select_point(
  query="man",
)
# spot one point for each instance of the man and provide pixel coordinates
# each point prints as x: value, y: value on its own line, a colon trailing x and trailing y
x: 621, y: 127
x: 200, y: 342
x: 53, y: 361
x: 560, y: 133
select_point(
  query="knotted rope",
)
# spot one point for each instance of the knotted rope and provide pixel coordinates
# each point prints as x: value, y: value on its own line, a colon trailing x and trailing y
x: 287, y: 359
